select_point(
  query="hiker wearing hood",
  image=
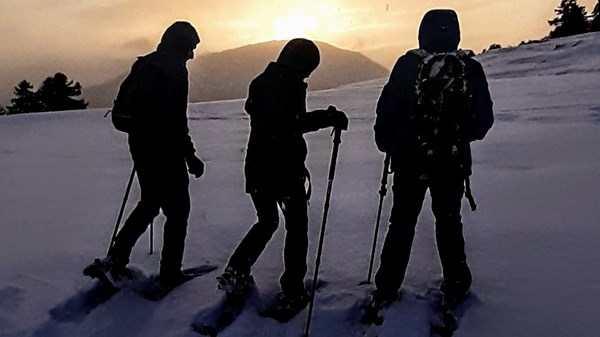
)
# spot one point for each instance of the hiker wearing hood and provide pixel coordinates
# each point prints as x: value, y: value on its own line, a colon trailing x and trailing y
x: 275, y: 171
x: 162, y: 151
x: 395, y: 134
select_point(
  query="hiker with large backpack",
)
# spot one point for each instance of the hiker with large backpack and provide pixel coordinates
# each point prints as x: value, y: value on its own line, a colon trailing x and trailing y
x: 435, y: 103
x: 151, y: 107
x: 276, y: 174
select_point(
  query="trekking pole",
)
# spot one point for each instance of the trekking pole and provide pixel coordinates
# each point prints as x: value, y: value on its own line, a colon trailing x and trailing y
x: 382, y: 193
x: 114, y: 235
x: 336, y: 144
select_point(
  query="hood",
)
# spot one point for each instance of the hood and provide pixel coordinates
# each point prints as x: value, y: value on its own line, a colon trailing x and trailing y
x: 439, y: 31
x: 300, y: 55
x: 180, y: 37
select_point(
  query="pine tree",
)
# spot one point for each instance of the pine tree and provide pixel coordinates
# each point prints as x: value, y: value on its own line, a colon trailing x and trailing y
x: 3, y: 111
x: 56, y: 93
x: 25, y: 101
x: 571, y: 19
x: 595, y: 24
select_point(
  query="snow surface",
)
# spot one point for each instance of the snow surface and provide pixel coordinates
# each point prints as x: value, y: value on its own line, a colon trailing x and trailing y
x: 532, y: 244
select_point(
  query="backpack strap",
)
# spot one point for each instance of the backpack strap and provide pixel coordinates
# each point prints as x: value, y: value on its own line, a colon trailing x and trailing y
x: 421, y: 53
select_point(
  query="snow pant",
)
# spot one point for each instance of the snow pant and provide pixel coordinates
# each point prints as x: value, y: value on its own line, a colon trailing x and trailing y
x: 164, y: 185
x: 295, y: 212
x: 409, y: 193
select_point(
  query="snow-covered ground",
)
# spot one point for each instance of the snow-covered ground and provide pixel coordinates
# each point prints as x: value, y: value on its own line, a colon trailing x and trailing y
x: 532, y: 244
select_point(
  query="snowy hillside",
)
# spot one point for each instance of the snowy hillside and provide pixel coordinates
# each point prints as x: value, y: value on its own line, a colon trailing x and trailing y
x: 532, y: 244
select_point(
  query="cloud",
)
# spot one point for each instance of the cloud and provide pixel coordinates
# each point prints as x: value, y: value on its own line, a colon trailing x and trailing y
x: 38, y: 34
x: 139, y: 45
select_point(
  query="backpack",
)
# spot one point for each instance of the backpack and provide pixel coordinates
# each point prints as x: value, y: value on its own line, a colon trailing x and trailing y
x: 443, y: 115
x: 127, y: 107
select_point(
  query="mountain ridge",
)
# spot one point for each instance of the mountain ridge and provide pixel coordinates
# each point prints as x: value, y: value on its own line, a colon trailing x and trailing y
x: 226, y: 74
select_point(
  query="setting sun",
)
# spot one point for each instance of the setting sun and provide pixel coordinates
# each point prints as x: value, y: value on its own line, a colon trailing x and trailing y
x: 293, y: 25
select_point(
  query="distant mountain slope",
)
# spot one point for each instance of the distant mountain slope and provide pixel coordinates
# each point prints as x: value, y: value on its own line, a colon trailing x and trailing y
x: 552, y: 57
x: 226, y: 75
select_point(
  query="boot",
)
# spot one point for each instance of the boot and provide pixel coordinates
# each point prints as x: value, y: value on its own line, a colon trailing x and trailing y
x: 235, y: 282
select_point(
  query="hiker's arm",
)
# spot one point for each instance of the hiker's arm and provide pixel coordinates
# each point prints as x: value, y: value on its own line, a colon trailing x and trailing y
x: 177, y: 93
x: 388, y: 108
x: 483, y: 116
x: 323, y: 118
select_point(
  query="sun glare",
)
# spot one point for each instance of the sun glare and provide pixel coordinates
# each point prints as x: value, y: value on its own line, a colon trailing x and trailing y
x: 290, y: 26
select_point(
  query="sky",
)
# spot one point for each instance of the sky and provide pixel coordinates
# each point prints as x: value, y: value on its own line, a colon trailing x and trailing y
x: 85, y: 38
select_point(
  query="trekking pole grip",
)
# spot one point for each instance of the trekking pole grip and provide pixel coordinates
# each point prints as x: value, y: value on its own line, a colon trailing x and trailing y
x: 337, y: 135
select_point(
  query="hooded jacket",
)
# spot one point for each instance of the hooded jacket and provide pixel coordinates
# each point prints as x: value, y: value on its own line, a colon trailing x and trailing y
x: 276, y: 149
x: 163, y: 129
x: 439, y: 32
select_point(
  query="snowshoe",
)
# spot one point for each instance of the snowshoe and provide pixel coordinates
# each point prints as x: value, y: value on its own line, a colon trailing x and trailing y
x: 371, y: 315
x: 456, y: 290
x: 445, y: 316
x: 371, y: 312
x: 101, y: 270
x: 286, y: 306
x: 235, y: 283
x: 237, y: 292
x: 454, y: 293
x: 161, y: 287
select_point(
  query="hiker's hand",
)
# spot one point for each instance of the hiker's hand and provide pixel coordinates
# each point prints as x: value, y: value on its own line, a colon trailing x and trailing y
x: 195, y: 166
x: 338, y: 118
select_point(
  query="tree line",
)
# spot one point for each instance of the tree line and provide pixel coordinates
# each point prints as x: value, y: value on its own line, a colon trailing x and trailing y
x: 573, y: 19
x: 56, y: 93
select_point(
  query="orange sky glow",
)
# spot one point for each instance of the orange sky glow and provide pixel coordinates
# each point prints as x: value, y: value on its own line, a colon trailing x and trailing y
x: 39, y: 37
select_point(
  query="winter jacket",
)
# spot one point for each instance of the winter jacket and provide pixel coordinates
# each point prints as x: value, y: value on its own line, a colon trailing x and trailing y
x: 276, y: 149
x: 163, y: 127
x: 439, y: 32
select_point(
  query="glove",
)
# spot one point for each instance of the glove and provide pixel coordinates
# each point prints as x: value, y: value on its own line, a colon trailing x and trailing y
x: 195, y: 166
x: 337, y: 118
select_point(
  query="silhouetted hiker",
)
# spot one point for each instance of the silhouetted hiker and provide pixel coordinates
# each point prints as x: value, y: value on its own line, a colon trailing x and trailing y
x: 275, y: 171
x: 162, y: 153
x: 425, y: 122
